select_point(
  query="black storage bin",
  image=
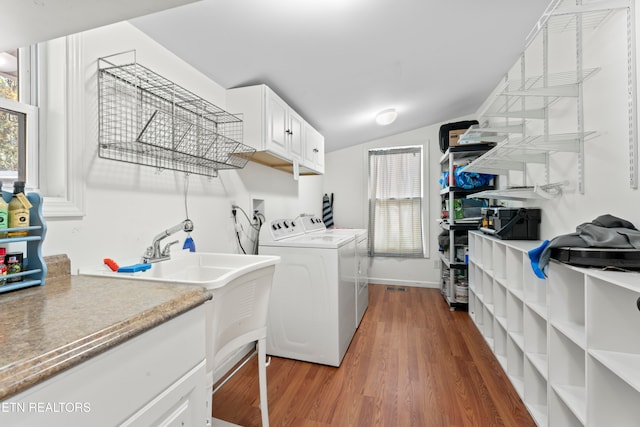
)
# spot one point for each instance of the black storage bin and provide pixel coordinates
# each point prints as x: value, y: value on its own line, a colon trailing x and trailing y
x: 512, y: 223
x: 446, y: 128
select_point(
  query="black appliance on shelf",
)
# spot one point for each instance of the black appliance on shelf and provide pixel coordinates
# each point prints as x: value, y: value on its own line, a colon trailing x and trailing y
x: 511, y: 223
x: 622, y: 258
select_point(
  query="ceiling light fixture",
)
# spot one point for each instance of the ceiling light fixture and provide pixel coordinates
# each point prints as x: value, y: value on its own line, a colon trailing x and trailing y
x: 386, y: 117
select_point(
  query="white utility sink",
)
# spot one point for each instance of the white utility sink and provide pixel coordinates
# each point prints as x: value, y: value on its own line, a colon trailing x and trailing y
x: 206, y: 269
x: 235, y: 317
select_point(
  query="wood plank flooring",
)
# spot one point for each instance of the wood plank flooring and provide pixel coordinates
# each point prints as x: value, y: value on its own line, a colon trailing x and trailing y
x: 412, y: 362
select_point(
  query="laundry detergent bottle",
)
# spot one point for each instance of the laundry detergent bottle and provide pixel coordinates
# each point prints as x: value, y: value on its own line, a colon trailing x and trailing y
x: 19, y: 210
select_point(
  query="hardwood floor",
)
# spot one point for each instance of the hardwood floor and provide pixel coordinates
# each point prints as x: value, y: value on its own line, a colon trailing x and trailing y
x: 412, y: 362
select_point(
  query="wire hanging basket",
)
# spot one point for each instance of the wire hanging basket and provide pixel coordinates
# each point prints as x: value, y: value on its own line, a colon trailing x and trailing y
x: 146, y: 119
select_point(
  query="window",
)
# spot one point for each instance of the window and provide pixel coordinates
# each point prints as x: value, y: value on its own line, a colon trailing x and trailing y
x: 50, y: 76
x: 395, y: 202
x: 18, y: 118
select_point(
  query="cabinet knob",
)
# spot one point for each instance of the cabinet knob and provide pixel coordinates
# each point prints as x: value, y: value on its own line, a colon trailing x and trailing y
x: 315, y: 150
x: 288, y: 131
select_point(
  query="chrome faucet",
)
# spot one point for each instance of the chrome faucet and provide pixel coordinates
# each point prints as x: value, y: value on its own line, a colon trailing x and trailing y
x: 153, y: 252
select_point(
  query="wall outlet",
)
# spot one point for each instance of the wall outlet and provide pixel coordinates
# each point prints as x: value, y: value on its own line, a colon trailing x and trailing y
x: 436, y: 264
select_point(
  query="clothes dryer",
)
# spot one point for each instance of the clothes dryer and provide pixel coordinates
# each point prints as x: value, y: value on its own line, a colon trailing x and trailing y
x: 313, y: 224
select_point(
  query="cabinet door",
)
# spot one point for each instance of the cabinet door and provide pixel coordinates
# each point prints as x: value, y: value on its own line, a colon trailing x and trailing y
x: 251, y: 103
x: 184, y: 403
x: 295, y: 132
x: 277, y: 117
x: 313, y: 150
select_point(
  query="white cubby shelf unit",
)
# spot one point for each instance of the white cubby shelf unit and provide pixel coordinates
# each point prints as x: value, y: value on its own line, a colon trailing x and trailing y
x: 570, y: 344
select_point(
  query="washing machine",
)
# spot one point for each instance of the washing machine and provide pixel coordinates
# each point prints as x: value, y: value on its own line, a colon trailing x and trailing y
x: 313, y: 224
x: 312, y: 305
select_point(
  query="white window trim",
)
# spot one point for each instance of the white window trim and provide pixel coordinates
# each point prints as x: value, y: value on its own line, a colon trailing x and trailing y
x: 31, y: 113
x: 71, y: 204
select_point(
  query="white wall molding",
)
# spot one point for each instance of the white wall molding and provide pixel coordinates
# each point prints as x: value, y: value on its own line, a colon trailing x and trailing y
x: 68, y: 201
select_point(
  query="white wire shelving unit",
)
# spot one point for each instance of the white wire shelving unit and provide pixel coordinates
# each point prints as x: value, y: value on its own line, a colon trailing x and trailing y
x: 516, y: 102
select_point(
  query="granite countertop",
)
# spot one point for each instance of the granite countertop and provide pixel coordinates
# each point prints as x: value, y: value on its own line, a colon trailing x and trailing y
x: 47, y: 329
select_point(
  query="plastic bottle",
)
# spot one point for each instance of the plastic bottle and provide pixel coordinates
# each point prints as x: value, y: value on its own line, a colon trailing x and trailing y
x: 18, y: 209
x: 4, y: 214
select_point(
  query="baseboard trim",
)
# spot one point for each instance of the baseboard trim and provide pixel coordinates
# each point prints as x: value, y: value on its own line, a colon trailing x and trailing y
x: 394, y: 282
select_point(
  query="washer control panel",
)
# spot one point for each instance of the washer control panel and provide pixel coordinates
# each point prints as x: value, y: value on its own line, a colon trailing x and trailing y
x: 312, y: 223
x: 285, y: 228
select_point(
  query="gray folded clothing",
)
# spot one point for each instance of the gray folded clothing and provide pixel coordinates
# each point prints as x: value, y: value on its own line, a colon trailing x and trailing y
x: 606, y: 231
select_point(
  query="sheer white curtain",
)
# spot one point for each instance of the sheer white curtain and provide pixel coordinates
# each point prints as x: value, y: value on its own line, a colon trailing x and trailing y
x: 395, y: 202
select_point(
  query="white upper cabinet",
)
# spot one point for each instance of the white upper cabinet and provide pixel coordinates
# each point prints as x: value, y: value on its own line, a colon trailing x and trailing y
x: 282, y: 138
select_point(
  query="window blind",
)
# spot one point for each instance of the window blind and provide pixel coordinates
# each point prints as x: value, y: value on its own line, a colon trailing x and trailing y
x: 395, y: 202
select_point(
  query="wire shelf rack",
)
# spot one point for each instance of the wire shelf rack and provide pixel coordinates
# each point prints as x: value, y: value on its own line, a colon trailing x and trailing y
x: 148, y: 120
x: 564, y: 15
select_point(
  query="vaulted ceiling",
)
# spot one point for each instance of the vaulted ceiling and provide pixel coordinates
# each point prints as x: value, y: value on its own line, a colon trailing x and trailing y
x: 336, y: 62
x: 339, y: 62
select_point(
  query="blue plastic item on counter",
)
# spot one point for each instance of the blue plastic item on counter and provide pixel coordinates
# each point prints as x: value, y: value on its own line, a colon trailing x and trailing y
x: 534, y: 256
x: 134, y: 268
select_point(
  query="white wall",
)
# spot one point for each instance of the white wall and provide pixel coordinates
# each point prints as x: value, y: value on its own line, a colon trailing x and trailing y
x: 346, y: 177
x: 126, y: 205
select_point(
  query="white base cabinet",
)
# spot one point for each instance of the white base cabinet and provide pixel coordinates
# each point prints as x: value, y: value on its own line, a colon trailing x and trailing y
x: 157, y: 378
x: 569, y: 344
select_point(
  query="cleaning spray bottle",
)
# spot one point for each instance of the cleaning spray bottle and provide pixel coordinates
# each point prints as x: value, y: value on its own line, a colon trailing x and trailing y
x: 19, y: 210
x: 4, y: 214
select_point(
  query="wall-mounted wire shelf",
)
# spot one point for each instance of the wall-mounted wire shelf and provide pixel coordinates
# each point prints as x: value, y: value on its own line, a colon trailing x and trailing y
x: 148, y: 120
x: 539, y: 192
x: 476, y: 134
x: 513, y: 154
x: 541, y: 95
x: 561, y: 16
